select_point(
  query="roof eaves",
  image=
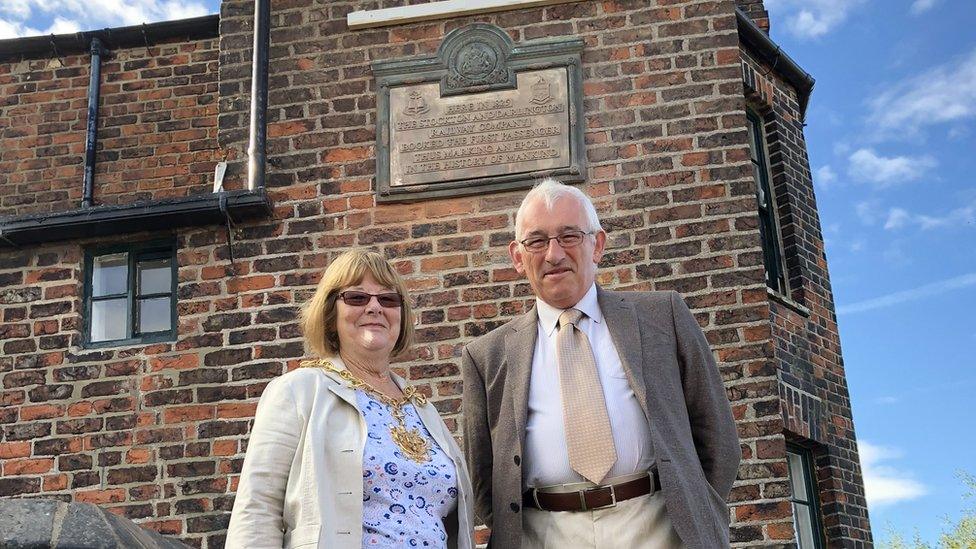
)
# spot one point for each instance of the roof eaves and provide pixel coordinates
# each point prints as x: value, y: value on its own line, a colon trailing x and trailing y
x: 146, y: 34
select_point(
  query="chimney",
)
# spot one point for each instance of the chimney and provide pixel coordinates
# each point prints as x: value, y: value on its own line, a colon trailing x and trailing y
x: 756, y: 11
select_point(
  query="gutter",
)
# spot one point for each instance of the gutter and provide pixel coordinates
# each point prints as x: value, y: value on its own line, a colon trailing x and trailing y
x: 163, y: 215
x: 91, y: 138
x: 33, y: 47
x: 256, y: 150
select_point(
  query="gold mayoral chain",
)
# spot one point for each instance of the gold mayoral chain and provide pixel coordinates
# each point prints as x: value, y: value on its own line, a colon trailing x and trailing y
x: 413, y: 444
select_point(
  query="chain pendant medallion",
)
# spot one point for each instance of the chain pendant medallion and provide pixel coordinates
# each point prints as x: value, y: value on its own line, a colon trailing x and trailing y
x: 410, y: 441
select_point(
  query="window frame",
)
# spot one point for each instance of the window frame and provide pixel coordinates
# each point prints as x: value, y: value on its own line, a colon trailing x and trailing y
x: 774, y: 260
x: 813, y: 503
x: 141, y: 251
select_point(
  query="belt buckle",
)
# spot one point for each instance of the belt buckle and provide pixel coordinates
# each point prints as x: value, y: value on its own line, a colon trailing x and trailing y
x: 613, y: 498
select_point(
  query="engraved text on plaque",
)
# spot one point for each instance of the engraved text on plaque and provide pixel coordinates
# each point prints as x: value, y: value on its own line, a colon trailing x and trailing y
x: 477, y: 135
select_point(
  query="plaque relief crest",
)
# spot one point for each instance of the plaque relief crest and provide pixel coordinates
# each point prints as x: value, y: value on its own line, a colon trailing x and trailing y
x: 541, y: 92
x: 416, y: 105
x: 476, y: 58
x: 475, y: 65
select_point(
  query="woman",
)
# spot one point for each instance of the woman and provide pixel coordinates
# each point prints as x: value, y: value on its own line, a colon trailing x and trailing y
x: 342, y: 454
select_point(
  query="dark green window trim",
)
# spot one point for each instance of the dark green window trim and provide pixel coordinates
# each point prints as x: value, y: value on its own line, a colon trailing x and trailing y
x: 766, y: 202
x: 157, y: 249
x: 809, y: 505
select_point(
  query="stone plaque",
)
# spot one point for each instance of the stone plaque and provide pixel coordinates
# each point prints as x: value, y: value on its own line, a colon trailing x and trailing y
x: 483, y: 115
x: 479, y: 135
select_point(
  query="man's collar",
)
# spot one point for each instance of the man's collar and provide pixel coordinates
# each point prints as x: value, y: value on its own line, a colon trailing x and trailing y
x: 549, y: 315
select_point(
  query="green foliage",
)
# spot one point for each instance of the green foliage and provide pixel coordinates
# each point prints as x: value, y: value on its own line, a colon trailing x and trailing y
x: 961, y: 535
x: 897, y: 541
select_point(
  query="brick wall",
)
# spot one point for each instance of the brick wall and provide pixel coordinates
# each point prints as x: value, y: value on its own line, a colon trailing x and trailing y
x: 104, y: 426
x: 157, y: 127
x: 42, y: 134
x: 815, y: 399
x: 666, y: 147
x: 158, y: 432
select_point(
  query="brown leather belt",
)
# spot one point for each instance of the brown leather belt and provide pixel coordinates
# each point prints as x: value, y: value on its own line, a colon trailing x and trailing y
x: 593, y: 498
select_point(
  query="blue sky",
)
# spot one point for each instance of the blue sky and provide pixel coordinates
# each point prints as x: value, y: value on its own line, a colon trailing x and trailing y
x: 892, y: 142
x: 42, y: 17
x: 892, y: 146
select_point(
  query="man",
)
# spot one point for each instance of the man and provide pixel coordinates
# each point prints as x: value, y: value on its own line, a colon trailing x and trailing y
x: 597, y: 419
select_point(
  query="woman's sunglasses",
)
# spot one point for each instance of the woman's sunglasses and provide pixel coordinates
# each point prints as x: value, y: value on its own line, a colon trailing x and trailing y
x: 354, y: 298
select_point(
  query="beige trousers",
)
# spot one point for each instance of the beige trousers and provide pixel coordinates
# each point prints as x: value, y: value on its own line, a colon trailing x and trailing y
x: 638, y: 523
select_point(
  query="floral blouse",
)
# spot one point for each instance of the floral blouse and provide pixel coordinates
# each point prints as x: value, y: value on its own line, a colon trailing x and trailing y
x: 404, y: 502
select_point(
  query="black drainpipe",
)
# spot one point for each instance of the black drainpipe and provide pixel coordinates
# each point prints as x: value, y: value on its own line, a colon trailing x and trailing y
x: 94, y: 84
x: 259, y: 97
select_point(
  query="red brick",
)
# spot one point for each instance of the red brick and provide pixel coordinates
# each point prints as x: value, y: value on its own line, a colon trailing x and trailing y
x: 19, y: 449
x: 181, y: 414
x: 224, y: 447
x: 181, y: 362
x: 138, y: 455
x: 27, y: 466
x: 42, y: 411
x: 100, y: 497
x: 347, y: 155
x: 236, y: 410
x: 55, y: 483
x: 250, y: 284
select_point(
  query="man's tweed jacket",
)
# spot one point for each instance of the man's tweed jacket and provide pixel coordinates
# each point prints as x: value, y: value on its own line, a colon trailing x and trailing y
x: 672, y: 373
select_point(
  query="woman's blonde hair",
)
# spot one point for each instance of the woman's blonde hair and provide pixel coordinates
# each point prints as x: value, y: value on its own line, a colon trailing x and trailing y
x: 318, y: 317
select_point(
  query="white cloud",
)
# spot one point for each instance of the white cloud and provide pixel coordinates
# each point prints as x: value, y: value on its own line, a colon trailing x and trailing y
x: 62, y: 26
x: 899, y: 218
x: 946, y: 93
x: 830, y: 231
x: 959, y: 216
x: 849, y: 241
x: 825, y: 176
x: 13, y: 29
x: 895, y: 255
x: 183, y: 10
x: 811, y: 18
x: 883, y: 484
x: 884, y: 171
x: 886, y: 400
x: 905, y: 296
x: 956, y: 133
x: 842, y: 147
x: 922, y: 6
x: 22, y: 17
x: 868, y: 211
x: 16, y: 9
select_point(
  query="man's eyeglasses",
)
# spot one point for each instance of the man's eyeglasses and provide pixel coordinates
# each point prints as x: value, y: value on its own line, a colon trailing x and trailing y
x: 355, y: 298
x: 567, y: 239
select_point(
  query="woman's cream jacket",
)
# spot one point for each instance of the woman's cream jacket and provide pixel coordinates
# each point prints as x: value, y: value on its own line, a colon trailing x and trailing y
x: 302, y: 483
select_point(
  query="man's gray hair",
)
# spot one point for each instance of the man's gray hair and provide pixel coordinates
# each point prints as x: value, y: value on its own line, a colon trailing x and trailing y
x: 551, y: 190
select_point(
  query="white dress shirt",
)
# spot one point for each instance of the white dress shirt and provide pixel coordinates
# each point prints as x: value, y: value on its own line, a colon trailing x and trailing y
x: 546, y: 460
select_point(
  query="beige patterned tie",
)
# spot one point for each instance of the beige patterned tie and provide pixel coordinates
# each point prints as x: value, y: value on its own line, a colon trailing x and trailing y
x: 588, y: 435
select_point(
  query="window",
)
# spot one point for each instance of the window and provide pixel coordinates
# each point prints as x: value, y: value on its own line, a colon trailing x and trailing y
x: 130, y: 294
x: 806, y: 508
x: 768, y: 226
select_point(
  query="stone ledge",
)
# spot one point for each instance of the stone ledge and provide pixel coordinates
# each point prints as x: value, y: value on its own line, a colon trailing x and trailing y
x: 29, y: 523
